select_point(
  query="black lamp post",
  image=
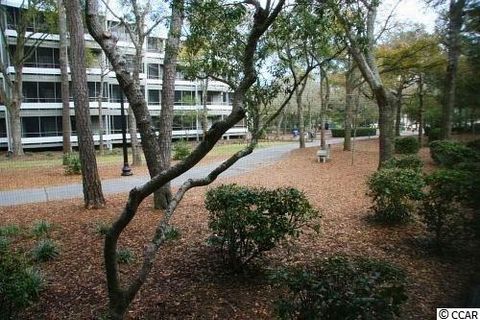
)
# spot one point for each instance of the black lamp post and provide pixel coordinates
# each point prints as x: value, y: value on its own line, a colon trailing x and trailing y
x: 126, y: 171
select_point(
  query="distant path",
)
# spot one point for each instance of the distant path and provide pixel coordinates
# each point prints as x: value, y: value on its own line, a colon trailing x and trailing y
x: 259, y: 157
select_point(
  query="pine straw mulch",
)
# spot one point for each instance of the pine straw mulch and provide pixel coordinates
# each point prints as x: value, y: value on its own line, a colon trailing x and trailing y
x: 188, y: 282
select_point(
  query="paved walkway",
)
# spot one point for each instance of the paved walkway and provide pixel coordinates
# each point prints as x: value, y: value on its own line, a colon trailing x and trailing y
x: 259, y: 157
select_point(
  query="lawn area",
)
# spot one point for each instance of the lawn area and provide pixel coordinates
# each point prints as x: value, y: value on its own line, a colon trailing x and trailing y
x: 40, y: 169
x: 188, y: 280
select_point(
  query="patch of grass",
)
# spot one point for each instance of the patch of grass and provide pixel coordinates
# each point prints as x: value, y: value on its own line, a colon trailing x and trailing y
x: 45, y: 250
x: 101, y: 227
x: 41, y: 228
x: 9, y: 230
x: 125, y: 256
x: 4, y: 242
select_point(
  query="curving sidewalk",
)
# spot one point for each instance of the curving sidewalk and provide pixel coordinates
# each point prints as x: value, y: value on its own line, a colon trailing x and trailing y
x: 259, y: 157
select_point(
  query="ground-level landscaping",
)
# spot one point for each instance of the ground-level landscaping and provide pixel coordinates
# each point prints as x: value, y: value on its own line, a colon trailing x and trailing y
x: 189, y: 281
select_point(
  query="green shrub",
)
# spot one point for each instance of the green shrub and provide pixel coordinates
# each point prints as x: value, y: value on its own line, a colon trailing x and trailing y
x: 9, y: 230
x: 360, y: 132
x: 45, y: 250
x: 394, y: 192
x: 248, y: 221
x: 440, y: 210
x: 181, y: 149
x: 410, y: 161
x: 407, y: 145
x: 171, y: 234
x: 475, y: 145
x: 433, y: 134
x: 343, y: 288
x: 4, y: 242
x: 41, y: 228
x: 125, y: 256
x: 71, y: 162
x: 101, y: 227
x: 449, y: 153
x: 20, y: 284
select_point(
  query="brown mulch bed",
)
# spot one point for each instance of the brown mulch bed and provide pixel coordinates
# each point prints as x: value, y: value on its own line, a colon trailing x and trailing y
x: 188, y: 281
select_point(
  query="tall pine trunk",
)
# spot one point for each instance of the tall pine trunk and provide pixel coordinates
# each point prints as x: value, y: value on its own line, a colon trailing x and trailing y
x: 92, y: 187
x: 100, y: 115
x: 204, y: 118
x: 163, y: 196
x: 63, y: 59
x: 455, y: 22
x: 421, y: 110
x: 349, y: 89
x: 300, y: 116
x: 132, y: 129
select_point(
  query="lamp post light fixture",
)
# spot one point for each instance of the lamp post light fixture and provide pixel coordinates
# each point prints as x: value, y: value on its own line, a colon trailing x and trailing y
x: 126, y: 171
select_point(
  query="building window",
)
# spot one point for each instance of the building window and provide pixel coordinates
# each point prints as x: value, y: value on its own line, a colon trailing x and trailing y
x: 184, y: 98
x: 154, y: 71
x: 48, y: 127
x: 41, y: 92
x: 115, y: 93
x: 46, y: 92
x: 154, y: 97
x: 30, y: 126
x: 3, y: 128
x: 154, y: 44
x: 117, y: 124
x: 185, y: 121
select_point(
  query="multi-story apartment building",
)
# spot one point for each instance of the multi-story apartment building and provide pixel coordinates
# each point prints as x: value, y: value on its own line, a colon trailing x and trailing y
x: 41, y: 111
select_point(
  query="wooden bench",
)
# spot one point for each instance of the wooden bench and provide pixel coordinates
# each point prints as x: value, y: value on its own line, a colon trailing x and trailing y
x: 323, y: 154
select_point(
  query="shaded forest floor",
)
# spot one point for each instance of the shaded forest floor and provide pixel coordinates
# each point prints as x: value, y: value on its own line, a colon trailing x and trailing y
x: 188, y: 280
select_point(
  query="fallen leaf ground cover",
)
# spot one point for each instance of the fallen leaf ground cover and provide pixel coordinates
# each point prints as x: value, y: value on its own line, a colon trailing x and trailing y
x: 188, y: 280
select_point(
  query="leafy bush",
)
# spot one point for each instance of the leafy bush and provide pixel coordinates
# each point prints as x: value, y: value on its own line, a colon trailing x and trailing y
x: 171, y: 234
x: 393, y: 192
x: 101, y: 227
x: 45, y: 250
x: 181, y: 149
x: 433, y: 134
x: 4, y: 242
x: 343, y: 288
x: 360, y: 132
x: 71, y: 162
x: 20, y: 284
x: 248, y: 221
x: 449, y: 153
x: 474, y: 145
x: 125, y: 256
x: 440, y: 210
x: 41, y: 228
x: 410, y: 161
x: 9, y: 230
x: 407, y: 145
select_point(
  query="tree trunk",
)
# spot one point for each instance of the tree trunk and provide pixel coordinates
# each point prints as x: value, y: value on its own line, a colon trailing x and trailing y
x: 16, y: 130
x: 349, y: 89
x: 279, y: 123
x: 15, y: 107
x: 132, y: 129
x: 300, y: 115
x: 163, y: 196
x: 204, y: 118
x: 455, y: 22
x: 421, y: 110
x: 63, y: 59
x: 100, y: 114
x: 385, y: 124
x: 92, y: 187
x: 398, y: 109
